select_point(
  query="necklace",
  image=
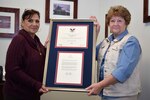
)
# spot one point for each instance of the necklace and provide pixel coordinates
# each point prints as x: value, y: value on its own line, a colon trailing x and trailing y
x: 38, y: 47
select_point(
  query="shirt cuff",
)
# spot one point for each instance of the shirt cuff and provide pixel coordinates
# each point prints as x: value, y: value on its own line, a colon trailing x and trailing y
x: 119, y: 76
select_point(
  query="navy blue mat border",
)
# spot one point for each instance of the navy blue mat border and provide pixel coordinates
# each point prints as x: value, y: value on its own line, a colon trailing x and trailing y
x: 52, y: 57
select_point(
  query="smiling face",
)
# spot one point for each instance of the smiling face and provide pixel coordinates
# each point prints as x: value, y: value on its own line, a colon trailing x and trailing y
x: 118, y: 18
x: 117, y: 25
x: 31, y: 24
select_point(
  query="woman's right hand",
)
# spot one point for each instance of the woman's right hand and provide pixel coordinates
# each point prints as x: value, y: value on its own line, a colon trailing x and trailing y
x: 96, y: 23
x: 43, y: 89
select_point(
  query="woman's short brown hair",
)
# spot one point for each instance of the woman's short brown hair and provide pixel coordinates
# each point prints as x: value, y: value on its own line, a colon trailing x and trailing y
x: 119, y: 11
x: 28, y: 13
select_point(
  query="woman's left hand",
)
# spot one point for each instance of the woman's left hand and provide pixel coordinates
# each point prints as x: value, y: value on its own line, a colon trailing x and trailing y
x: 46, y: 43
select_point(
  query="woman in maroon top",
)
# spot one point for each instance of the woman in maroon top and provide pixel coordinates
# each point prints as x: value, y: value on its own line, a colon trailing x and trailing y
x: 25, y: 61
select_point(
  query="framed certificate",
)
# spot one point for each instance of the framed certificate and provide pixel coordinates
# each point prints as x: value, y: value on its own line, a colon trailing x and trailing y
x: 72, y: 36
x: 70, y: 57
x: 70, y: 66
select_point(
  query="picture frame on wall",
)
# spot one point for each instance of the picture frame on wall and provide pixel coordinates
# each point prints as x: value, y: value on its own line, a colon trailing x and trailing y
x: 60, y: 9
x: 106, y: 27
x: 9, y: 22
x: 146, y: 12
x: 70, y: 58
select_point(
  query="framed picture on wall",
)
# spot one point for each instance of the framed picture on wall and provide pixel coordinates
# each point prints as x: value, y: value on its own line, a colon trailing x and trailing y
x: 106, y: 27
x: 60, y: 9
x: 146, y: 12
x: 9, y: 22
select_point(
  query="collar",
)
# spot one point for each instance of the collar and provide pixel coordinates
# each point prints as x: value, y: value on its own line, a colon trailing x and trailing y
x: 118, y: 38
x: 31, y: 41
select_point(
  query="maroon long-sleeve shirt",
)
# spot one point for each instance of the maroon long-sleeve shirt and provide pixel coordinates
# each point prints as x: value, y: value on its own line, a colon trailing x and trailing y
x: 24, y: 67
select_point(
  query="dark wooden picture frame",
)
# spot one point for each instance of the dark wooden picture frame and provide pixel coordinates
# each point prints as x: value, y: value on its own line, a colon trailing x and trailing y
x: 3, y: 22
x: 106, y: 26
x: 146, y: 7
x: 47, y: 9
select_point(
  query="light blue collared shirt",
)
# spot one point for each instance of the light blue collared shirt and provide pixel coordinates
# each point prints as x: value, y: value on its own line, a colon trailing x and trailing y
x: 128, y: 58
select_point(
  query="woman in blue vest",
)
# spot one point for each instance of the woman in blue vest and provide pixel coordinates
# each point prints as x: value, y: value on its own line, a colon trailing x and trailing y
x: 117, y: 58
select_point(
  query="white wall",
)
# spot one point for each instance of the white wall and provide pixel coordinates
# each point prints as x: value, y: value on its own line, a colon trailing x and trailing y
x: 24, y: 4
x: 141, y: 31
x: 87, y: 8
